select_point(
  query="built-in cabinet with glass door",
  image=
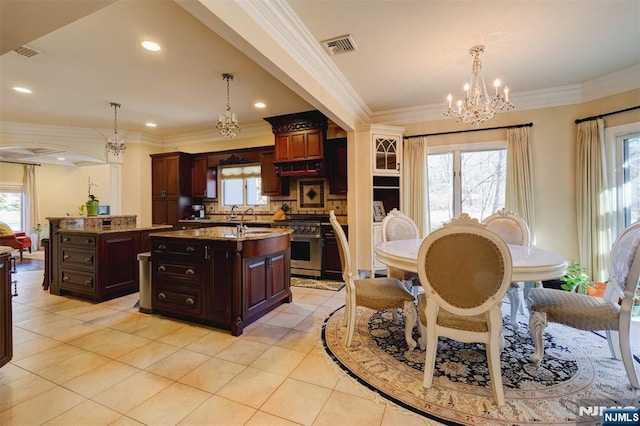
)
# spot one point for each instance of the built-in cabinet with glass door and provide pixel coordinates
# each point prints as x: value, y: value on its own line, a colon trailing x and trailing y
x: 386, y: 179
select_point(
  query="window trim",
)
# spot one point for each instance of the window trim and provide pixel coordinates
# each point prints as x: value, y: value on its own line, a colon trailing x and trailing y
x: 614, y: 153
x: 456, y: 151
x: 258, y: 207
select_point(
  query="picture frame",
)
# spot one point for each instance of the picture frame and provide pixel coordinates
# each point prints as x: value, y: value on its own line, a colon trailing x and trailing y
x: 378, y: 211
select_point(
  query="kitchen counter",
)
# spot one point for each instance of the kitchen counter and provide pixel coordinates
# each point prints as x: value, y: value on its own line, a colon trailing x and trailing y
x: 226, y: 222
x: 95, y: 257
x: 224, y: 233
x: 99, y: 229
x: 218, y: 276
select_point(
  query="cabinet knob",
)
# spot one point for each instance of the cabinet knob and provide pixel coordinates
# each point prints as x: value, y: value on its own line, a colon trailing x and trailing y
x: 162, y: 296
x: 161, y: 268
x: 65, y: 257
x: 87, y: 282
x: 65, y: 239
x: 190, y: 272
x: 65, y: 278
x: 190, y: 249
x: 88, y: 241
x: 88, y: 259
x: 162, y: 247
x: 189, y: 301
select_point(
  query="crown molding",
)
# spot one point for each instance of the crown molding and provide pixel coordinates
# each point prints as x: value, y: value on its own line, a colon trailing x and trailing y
x: 611, y: 84
x: 279, y: 20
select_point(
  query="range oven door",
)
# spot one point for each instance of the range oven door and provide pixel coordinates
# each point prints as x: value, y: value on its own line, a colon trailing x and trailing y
x: 306, y: 255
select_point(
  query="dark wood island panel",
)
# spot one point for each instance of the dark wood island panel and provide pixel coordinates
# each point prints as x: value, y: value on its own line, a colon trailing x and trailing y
x: 95, y: 262
x: 219, y: 279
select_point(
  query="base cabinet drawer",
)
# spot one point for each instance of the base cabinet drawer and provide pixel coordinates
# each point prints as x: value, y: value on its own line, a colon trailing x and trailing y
x: 184, y: 273
x: 177, y: 298
x: 79, y: 281
x: 78, y: 258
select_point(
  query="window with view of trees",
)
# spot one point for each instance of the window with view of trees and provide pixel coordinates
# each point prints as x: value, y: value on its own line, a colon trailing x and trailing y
x: 11, y: 208
x: 466, y: 181
x: 629, y: 195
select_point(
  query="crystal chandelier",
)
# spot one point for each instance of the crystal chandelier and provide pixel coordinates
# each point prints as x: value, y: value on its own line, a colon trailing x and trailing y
x: 115, y: 144
x: 227, y: 122
x: 477, y: 107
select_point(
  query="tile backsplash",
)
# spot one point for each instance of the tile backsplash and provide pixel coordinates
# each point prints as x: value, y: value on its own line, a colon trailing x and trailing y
x: 337, y: 202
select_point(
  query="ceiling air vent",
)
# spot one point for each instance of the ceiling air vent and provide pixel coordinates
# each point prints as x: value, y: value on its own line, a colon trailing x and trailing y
x: 26, y: 52
x: 342, y: 44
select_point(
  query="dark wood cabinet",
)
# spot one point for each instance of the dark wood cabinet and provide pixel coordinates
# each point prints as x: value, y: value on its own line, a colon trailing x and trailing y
x: 203, y: 179
x: 224, y: 283
x: 299, y: 146
x: 97, y: 267
x: 299, y: 143
x: 6, y: 316
x: 331, y: 265
x: 170, y: 187
x: 264, y: 279
x: 272, y: 184
x: 336, y: 165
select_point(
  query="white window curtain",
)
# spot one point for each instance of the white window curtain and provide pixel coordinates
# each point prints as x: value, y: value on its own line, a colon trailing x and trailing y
x: 519, y: 185
x: 31, y: 209
x: 415, y: 183
x: 594, y: 221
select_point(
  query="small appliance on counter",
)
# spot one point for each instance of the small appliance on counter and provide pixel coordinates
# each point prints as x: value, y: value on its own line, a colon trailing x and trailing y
x: 197, y: 211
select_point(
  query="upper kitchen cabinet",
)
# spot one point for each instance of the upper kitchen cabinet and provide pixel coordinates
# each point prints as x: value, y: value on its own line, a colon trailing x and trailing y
x: 335, y: 155
x: 203, y: 179
x: 272, y: 184
x: 170, y: 187
x: 299, y: 143
x: 387, y: 154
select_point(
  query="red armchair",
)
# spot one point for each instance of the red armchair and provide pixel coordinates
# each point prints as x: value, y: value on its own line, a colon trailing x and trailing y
x: 18, y: 240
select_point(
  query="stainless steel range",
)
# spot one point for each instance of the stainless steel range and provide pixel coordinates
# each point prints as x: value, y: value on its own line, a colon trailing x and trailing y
x: 306, y: 244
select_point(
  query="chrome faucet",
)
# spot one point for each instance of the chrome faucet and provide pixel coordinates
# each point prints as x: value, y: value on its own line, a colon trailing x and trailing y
x: 250, y: 209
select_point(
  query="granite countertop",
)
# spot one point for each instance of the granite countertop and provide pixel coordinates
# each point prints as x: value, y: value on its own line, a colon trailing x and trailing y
x: 6, y: 249
x: 224, y: 233
x: 223, y: 221
x: 112, y: 230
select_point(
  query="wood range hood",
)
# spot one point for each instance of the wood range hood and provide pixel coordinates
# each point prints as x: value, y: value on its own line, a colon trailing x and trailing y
x: 299, y: 143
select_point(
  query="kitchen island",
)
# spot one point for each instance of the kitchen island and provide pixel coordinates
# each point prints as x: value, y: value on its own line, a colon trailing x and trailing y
x: 221, y: 276
x: 95, y: 257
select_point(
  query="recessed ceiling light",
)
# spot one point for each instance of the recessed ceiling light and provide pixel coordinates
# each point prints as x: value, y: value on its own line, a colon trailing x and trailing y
x: 150, y: 45
x: 22, y: 89
x: 260, y: 105
x: 61, y: 158
x: 150, y: 124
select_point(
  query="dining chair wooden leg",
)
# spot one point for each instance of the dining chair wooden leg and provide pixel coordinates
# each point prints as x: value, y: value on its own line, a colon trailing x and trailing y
x: 410, y: 317
x: 537, y: 324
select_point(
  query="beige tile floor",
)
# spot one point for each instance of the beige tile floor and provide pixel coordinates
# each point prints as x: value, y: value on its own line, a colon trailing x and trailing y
x: 79, y: 363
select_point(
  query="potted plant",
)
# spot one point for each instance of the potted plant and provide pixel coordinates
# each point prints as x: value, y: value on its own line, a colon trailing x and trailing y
x: 93, y: 203
x: 576, y: 279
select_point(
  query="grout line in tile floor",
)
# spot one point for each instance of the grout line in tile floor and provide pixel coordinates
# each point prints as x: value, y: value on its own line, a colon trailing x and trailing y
x: 108, y: 364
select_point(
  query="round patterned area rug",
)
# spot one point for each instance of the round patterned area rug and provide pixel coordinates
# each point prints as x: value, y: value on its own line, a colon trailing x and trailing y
x: 577, y: 370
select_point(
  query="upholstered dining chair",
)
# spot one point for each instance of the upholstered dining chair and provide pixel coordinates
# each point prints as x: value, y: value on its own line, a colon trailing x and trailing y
x: 373, y: 293
x: 398, y: 226
x: 611, y: 313
x: 513, y: 230
x: 465, y: 270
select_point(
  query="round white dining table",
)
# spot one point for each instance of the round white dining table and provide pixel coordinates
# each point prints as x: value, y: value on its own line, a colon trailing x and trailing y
x: 529, y: 263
